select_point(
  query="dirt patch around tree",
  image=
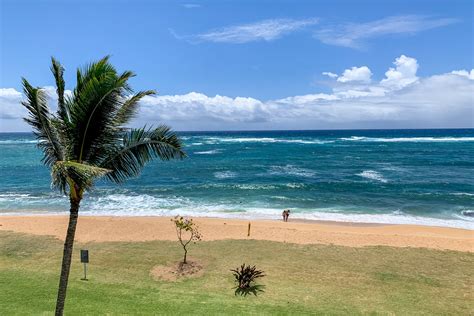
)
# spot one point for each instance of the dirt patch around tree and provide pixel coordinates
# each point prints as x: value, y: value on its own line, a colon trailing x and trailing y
x: 177, y: 271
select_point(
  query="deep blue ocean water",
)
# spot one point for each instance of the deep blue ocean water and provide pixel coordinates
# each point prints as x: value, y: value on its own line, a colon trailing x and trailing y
x: 386, y: 176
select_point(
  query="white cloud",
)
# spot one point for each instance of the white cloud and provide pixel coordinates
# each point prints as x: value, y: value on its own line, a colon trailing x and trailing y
x: 360, y: 91
x: 9, y: 93
x: 11, y: 112
x: 301, y: 99
x: 202, y: 107
x: 354, y: 35
x: 9, y: 104
x: 360, y: 74
x: 464, y: 73
x: 403, y: 74
x: 401, y: 100
x: 266, y: 30
x: 330, y: 74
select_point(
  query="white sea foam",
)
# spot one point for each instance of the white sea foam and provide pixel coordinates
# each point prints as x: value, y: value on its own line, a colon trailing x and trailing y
x: 147, y: 205
x: 13, y: 195
x: 213, y: 140
x: 123, y: 204
x: 255, y: 186
x: 18, y: 141
x: 408, y: 139
x: 393, y: 218
x: 372, y: 175
x: 247, y: 140
x: 224, y: 174
x: 295, y: 185
x: 277, y: 197
x: 291, y: 170
x: 463, y: 194
x: 238, y: 186
x: 208, y: 152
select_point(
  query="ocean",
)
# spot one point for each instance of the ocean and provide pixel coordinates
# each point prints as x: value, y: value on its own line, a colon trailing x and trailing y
x: 376, y: 176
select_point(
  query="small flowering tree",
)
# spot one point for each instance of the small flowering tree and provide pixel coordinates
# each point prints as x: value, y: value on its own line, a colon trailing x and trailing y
x: 187, y: 232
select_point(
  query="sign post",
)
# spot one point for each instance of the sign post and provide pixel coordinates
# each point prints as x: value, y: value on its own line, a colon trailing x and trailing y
x: 85, y: 260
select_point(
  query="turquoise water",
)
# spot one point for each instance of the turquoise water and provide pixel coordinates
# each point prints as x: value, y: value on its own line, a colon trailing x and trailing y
x: 386, y: 176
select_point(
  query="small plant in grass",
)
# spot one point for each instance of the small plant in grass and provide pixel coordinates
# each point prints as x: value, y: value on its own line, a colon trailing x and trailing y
x: 245, y: 276
x: 187, y: 232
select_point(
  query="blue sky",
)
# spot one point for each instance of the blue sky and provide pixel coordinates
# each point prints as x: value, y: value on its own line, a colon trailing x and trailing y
x: 265, y: 51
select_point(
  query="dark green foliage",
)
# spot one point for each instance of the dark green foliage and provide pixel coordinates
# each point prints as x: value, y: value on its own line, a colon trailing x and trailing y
x: 89, y: 128
x: 41, y: 121
x: 245, y: 276
x: 253, y: 289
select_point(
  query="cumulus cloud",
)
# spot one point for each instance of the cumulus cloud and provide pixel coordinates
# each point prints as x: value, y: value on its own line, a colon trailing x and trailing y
x: 355, y: 35
x: 266, y: 30
x: 400, y: 100
x: 464, y: 73
x: 359, y: 74
x: 11, y: 112
x: 403, y: 74
x: 200, y: 106
x: 9, y: 103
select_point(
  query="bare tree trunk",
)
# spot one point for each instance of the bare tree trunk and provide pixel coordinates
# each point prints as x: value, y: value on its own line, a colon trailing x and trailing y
x: 185, y: 253
x: 67, y: 254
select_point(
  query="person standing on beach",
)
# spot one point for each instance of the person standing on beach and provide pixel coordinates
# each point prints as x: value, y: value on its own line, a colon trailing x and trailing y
x: 285, y: 214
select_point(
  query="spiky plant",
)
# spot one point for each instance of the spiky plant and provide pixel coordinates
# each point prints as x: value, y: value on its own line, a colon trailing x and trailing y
x: 245, y: 275
x: 86, y: 138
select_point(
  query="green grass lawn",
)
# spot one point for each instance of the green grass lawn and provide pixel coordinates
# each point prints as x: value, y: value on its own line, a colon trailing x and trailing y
x: 310, y: 279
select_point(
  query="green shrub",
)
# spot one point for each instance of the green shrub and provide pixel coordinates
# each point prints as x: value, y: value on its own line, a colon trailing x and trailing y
x: 245, y: 276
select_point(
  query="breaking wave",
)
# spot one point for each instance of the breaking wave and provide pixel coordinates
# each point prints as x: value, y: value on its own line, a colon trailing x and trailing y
x: 292, y: 171
x: 225, y: 174
x: 148, y: 205
x: 208, y: 152
x: 213, y: 140
x: 18, y: 141
x: 372, y: 175
x: 408, y: 139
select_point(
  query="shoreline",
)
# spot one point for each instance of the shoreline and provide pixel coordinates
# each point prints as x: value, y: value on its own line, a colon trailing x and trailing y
x: 148, y: 228
x: 318, y: 217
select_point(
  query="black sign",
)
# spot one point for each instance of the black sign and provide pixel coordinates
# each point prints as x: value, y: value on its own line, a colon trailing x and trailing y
x: 84, y: 256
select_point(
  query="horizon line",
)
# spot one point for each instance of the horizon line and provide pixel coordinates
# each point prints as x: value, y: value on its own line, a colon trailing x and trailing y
x: 297, y: 130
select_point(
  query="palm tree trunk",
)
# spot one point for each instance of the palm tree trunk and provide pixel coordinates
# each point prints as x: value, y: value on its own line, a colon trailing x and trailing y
x: 67, y: 254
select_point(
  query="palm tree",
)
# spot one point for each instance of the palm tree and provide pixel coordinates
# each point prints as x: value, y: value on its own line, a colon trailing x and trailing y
x: 86, y: 138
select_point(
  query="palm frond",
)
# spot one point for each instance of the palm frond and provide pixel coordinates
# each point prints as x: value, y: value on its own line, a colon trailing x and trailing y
x: 86, y: 139
x: 58, y: 71
x: 40, y: 120
x: 81, y: 175
x: 139, y: 146
x: 93, y: 112
x: 130, y: 107
x: 93, y: 70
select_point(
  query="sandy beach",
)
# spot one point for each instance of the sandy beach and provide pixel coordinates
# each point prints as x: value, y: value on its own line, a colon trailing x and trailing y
x: 103, y: 229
